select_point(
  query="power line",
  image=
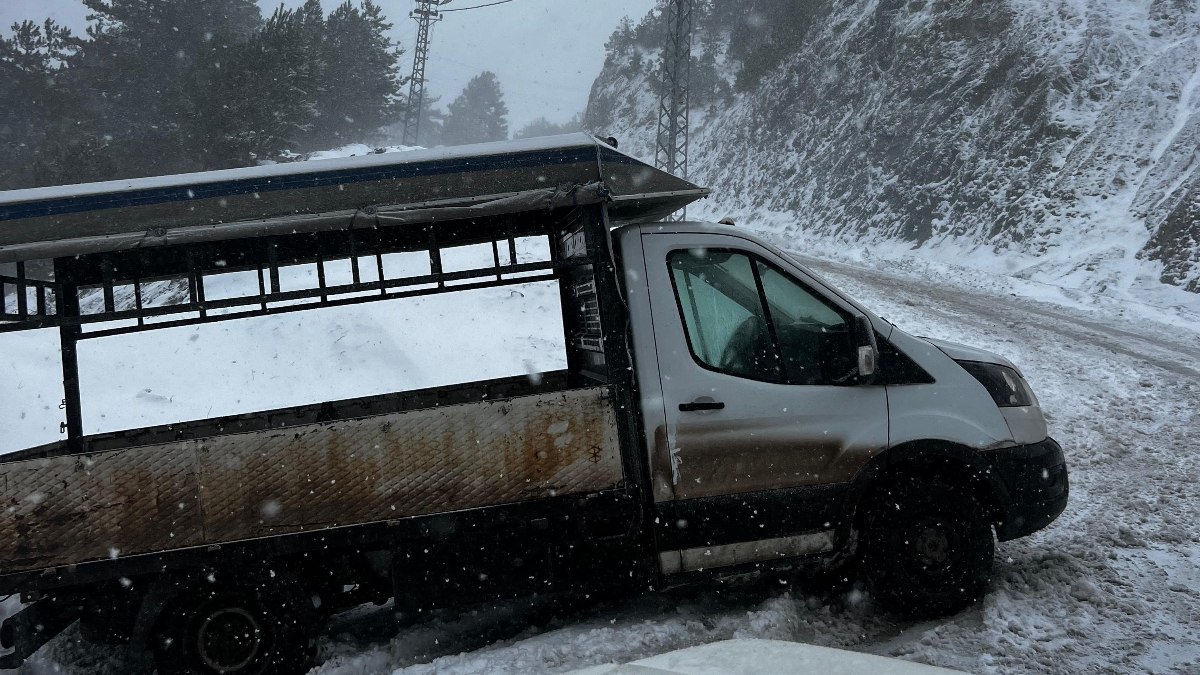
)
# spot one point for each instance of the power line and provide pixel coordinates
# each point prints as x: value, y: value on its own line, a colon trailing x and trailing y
x: 463, y: 9
x: 426, y: 13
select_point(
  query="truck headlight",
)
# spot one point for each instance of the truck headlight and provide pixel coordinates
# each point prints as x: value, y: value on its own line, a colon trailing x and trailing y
x: 1007, y: 387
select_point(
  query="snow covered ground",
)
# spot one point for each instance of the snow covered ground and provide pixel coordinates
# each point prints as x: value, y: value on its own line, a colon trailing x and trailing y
x: 1112, y: 587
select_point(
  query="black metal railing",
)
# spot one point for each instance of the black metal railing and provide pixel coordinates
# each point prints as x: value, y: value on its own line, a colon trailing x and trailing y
x: 23, y: 299
x: 118, y: 304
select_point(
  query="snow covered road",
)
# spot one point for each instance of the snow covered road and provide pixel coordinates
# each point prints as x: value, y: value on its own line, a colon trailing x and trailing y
x: 1112, y: 587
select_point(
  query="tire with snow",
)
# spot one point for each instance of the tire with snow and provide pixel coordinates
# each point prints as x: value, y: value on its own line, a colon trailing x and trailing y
x: 927, y: 547
x: 245, y: 629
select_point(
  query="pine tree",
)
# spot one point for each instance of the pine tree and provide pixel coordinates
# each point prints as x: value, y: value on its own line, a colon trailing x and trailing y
x: 544, y: 127
x: 164, y: 86
x: 312, y: 24
x: 266, y: 103
x: 433, y: 122
x: 620, y: 41
x: 479, y: 114
x: 312, y: 17
x: 361, y: 83
x: 34, y: 63
x: 761, y: 46
x: 149, y: 72
x: 429, y: 133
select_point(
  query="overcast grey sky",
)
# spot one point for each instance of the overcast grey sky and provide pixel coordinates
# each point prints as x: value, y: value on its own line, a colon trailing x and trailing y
x: 545, y: 52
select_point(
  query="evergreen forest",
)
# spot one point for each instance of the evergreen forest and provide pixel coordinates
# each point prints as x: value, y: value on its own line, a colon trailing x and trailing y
x: 169, y: 86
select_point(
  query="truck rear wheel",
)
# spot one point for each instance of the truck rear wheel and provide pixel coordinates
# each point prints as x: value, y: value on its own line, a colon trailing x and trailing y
x: 265, y: 629
x: 928, y: 547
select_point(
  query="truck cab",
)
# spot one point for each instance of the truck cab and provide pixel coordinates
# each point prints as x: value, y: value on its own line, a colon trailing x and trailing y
x: 771, y: 434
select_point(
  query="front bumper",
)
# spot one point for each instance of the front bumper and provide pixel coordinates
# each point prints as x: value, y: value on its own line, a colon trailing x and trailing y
x: 1035, y: 476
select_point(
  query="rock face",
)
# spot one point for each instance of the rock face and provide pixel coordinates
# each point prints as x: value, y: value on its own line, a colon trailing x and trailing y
x: 1062, y: 131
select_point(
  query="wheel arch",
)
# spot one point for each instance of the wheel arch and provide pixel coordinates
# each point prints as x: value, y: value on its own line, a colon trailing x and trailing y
x: 272, y: 602
x: 165, y: 589
x: 930, y: 458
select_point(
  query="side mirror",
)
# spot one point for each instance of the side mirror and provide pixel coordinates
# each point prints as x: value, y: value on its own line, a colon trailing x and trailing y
x: 868, y: 349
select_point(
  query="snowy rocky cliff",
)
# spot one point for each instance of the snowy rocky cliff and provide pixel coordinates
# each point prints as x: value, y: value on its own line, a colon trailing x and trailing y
x: 1059, y: 138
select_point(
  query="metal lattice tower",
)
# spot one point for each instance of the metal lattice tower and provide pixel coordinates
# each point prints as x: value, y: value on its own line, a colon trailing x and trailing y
x: 671, y: 153
x: 426, y: 14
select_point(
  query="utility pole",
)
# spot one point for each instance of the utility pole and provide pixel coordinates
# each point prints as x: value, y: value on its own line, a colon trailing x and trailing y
x: 671, y: 153
x: 426, y: 14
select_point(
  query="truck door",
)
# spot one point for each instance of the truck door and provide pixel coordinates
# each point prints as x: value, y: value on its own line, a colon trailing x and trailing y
x: 766, y: 419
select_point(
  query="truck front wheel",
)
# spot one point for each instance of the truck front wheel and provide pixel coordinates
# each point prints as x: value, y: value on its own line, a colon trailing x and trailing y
x: 927, y: 547
x: 242, y: 630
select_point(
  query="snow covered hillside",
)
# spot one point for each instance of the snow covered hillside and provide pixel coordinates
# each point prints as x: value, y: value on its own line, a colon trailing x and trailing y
x: 1111, y: 587
x: 1050, y: 139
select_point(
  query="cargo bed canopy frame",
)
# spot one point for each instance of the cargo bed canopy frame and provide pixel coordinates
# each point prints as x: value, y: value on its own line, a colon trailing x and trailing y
x: 125, y: 275
x: 20, y: 307
x: 109, y: 242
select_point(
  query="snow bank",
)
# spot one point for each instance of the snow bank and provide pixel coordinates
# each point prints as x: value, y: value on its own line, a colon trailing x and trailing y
x: 765, y: 657
x: 358, y: 150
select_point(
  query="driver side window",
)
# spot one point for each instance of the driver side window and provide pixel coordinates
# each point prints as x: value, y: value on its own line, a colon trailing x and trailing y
x: 746, y: 318
x: 723, y: 314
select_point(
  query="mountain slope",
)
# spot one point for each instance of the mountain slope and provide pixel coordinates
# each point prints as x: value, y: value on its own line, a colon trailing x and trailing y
x: 1061, y: 134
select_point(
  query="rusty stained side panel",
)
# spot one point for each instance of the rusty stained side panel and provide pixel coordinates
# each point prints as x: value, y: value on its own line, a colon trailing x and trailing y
x: 73, y: 509
x: 85, y: 507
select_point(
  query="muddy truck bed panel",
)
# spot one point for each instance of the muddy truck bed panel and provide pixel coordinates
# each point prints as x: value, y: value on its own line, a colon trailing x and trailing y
x: 78, y: 508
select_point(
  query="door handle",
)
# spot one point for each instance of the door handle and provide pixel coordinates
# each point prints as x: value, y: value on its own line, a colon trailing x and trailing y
x: 696, y: 406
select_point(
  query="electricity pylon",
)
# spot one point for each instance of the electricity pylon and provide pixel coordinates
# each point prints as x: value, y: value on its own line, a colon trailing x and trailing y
x: 671, y: 153
x: 426, y: 14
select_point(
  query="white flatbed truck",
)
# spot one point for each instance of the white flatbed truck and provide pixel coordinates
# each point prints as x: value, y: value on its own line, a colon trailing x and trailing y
x: 722, y: 410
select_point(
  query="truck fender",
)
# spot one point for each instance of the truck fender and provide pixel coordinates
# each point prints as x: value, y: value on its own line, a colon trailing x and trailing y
x: 162, y: 591
x: 931, y: 457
